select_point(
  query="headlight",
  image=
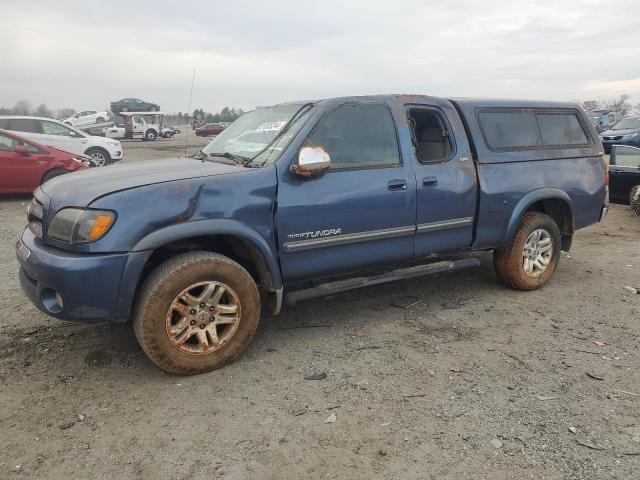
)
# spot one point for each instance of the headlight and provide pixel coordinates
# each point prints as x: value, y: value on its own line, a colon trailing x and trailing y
x: 75, y: 225
x: 629, y: 136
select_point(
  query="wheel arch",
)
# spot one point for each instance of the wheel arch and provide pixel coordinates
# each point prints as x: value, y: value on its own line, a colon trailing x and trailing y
x: 551, y: 201
x: 228, y: 237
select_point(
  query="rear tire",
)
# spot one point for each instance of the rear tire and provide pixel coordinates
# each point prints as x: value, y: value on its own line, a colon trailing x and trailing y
x: 56, y: 172
x: 175, y: 318
x: 99, y: 120
x: 533, y: 256
x: 634, y: 200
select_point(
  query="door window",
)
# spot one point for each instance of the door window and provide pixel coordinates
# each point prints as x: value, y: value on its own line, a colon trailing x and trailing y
x: 7, y: 143
x: 52, y: 128
x: 29, y: 125
x: 358, y: 136
x: 625, y: 156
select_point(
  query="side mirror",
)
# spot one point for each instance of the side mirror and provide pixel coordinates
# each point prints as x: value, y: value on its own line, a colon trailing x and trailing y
x: 21, y: 150
x: 311, y: 161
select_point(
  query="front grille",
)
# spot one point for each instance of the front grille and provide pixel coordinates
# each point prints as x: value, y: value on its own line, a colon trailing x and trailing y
x: 35, y: 213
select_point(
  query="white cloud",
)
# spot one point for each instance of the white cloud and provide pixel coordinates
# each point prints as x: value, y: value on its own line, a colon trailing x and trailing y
x: 84, y: 55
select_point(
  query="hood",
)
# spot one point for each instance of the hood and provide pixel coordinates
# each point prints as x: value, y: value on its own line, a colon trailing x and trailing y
x: 615, y: 133
x: 85, y: 186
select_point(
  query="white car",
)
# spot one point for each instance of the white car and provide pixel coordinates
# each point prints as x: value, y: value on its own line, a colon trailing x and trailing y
x: 63, y: 137
x: 88, y: 117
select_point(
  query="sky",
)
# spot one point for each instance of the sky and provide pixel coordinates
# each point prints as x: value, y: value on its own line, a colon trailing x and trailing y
x: 85, y: 54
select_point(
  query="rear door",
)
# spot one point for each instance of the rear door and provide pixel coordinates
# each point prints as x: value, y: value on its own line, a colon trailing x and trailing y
x: 361, y: 213
x: 624, y: 172
x: 27, y: 127
x: 445, y: 177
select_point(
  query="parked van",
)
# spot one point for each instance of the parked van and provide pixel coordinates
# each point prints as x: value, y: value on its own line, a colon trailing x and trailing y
x: 64, y: 137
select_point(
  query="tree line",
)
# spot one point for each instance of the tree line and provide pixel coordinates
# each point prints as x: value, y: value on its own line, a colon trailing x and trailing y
x: 24, y: 107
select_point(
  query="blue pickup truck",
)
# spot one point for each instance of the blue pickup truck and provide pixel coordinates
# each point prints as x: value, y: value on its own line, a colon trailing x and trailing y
x: 309, y: 199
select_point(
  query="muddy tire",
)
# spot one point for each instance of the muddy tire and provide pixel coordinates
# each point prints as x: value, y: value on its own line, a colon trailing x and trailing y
x: 634, y: 200
x: 56, y: 172
x: 532, y: 258
x: 196, y: 312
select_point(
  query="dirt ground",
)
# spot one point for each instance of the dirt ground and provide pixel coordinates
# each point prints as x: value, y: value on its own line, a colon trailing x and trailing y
x: 454, y: 377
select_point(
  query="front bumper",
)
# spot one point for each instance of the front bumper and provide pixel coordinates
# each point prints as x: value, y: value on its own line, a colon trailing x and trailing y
x: 78, y: 287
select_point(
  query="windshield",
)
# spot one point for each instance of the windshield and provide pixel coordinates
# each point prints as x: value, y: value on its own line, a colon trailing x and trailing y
x: 627, y: 124
x: 253, y: 132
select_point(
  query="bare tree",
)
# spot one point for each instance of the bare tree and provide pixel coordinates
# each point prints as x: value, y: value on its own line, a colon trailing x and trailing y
x: 43, y: 111
x: 22, y: 107
x: 590, y: 105
x: 64, y: 113
x: 622, y: 105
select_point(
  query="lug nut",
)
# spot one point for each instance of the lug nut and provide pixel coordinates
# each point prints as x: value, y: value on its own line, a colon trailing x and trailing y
x: 202, y: 305
x: 193, y: 311
x: 202, y: 326
x: 211, y: 309
x: 192, y: 322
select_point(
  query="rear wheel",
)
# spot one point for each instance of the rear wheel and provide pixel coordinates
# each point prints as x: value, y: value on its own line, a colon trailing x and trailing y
x: 196, y: 312
x: 56, y: 172
x: 124, y: 109
x: 99, y: 157
x: 634, y: 200
x: 99, y: 120
x: 532, y: 258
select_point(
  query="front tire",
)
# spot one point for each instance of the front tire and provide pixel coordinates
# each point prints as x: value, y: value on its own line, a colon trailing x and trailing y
x: 99, y: 157
x: 150, y: 135
x: 196, y: 312
x: 99, y: 120
x: 56, y: 172
x: 533, y: 256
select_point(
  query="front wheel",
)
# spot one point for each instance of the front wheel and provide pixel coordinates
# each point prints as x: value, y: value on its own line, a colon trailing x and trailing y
x: 196, y: 312
x: 150, y: 135
x: 99, y: 157
x: 532, y: 258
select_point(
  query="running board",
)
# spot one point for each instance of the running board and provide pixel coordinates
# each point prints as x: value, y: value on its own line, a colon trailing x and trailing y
x: 340, y: 286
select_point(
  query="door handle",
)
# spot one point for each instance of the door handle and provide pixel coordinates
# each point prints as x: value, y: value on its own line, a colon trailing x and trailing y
x: 395, y: 185
x: 429, y: 182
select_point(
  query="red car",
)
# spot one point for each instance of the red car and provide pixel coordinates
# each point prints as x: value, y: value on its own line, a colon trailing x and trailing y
x: 209, y: 130
x: 24, y: 165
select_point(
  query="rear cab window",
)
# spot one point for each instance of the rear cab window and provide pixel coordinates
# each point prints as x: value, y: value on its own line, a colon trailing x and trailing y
x: 530, y: 129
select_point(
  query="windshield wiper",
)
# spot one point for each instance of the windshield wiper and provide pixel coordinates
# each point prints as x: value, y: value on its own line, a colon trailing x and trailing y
x: 237, y: 159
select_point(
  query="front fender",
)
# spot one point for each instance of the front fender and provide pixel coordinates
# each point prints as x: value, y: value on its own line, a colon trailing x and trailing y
x: 529, y: 199
x: 208, y: 227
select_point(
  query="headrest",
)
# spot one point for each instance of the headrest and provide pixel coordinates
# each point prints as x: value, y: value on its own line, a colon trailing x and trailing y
x: 431, y: 135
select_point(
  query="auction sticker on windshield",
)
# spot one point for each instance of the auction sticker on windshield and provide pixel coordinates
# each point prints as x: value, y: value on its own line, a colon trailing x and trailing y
x: 270, y: 126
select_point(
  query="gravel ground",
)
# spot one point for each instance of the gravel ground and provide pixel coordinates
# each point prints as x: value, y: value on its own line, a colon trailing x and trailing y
x: 454, y: 377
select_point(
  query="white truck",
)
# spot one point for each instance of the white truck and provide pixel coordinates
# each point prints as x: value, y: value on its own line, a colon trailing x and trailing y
x: 145, y: 125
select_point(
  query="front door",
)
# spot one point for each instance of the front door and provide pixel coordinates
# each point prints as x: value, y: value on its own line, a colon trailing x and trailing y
x: 358, y: 215
x: 446, y: 180
x: 624, y: 172
x: 18, y: 171
x: 62, y: 137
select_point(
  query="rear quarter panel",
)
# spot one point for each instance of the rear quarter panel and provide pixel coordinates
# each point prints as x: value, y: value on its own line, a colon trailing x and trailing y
x: 511, y: 180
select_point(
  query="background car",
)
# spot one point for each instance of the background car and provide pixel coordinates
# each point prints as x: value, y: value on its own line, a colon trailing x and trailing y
x: 209, y: 129
x: 24, y: 164
x: 133, y: 105
x: 87, y: 117
x: 624, y: 173
x: 55, y: 134
x: 173, y: 129
x: 624, y: 132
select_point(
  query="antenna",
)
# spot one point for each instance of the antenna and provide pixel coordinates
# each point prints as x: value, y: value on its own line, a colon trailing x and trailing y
x: 186, y: 137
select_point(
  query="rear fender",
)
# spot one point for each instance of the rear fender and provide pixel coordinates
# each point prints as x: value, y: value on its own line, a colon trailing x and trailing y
x: 529, y: 199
